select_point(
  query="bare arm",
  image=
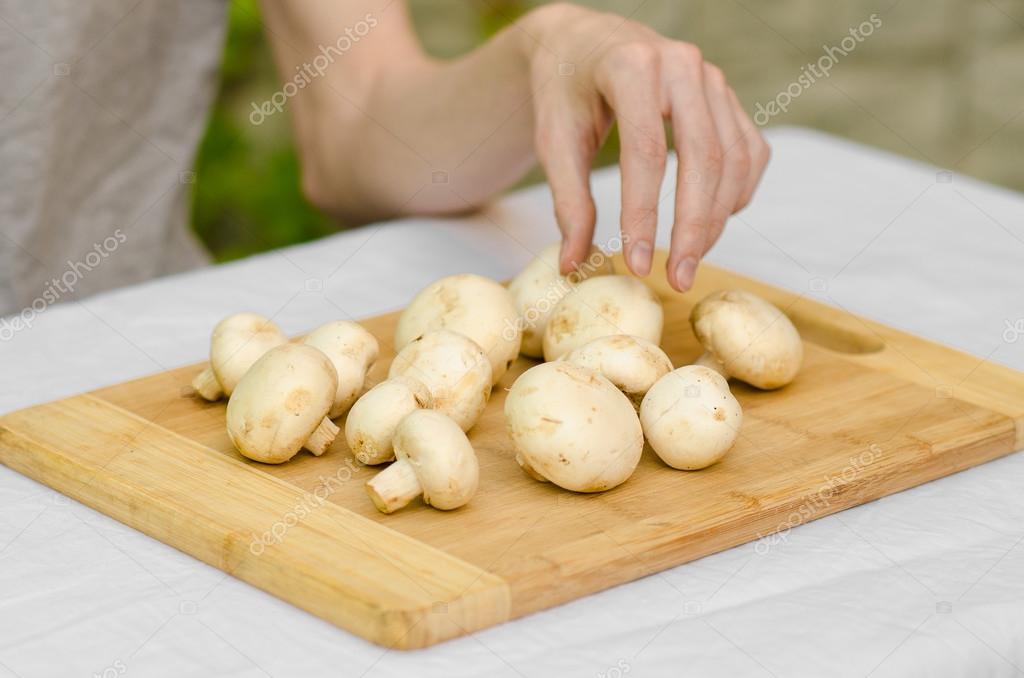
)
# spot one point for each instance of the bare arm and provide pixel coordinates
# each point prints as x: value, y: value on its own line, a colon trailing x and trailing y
x: 385, y: 130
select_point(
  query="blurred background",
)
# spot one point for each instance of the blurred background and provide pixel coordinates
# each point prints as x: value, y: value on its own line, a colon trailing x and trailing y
x: 940, y: 81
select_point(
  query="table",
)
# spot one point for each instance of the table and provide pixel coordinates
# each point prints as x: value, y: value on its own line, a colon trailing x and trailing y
x: 926, y: 582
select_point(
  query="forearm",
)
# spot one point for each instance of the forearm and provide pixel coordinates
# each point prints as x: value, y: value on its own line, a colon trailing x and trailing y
x: 445, y: 137
x: 387, y: 130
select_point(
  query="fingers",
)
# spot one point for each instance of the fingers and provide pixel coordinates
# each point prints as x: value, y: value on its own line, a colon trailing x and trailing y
x: 566, y: 148
x: 700, y: 161
x: 735, y: 156
x: 757, y: 149
x: 629, y: 81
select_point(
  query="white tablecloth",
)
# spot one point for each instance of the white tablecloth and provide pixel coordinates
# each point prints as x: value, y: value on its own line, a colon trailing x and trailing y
x: 929, y: 582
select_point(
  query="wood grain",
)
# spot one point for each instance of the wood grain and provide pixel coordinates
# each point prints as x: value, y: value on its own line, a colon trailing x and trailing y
x: 874, y: 411
x: 353, y: 572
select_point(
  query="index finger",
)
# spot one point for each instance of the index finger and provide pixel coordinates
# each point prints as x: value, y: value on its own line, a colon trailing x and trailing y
x: 700, y: 163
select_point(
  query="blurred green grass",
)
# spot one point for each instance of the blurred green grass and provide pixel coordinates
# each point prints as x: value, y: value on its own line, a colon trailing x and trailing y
x: 247, y: 196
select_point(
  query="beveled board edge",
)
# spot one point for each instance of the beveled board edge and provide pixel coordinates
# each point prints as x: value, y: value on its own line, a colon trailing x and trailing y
x: 951, y: 372
x: 655, y: 544
x: 355, y: 573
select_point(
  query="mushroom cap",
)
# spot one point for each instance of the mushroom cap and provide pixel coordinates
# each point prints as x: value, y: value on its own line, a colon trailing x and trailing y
x: 371, y: 423
x: 571, y: 426
x: 539, y: 287
x: 607, y: 304
x: 690, y: 417
x: 471, y: 305
x: 280, y: 401
x: 352, y: 350
x: 440, y: 454
x: 753, y: 340
x: 632, y: 364
x: 237, y: 342
x: 453, y: 368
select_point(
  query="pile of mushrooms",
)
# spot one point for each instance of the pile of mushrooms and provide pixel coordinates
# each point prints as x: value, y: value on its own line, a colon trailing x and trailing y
x: 286, y: 397
x: 603, y: 337
x: 579, y: 420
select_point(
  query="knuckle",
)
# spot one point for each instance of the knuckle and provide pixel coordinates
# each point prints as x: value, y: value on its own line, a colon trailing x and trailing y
x: 692, y: 235
x: 714, y: 77
x: 760, y: 152
x: 635, y: 55
x: 685, y: 52
x: 637, y: 219
x: 574, y: 210
x: 740, y: 163
x: 649, y: 146
x: 713, y: 157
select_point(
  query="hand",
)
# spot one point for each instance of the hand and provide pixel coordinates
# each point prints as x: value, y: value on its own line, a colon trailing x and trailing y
x: 615, y: 69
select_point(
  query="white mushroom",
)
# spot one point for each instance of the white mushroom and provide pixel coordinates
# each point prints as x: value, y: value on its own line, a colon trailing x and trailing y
x: 571, y: 426
x: 748, y: 338
x: 281, y: 405
x: 690, y: 417
x: 352, y: 350
x: 453, y: 368
x: 632, y: 364
x: 539, y: 287
x: 371, y: 423
x: 471, y: 305
x: 434, y: 458
x: 237, y: 342
x: 598, y: 307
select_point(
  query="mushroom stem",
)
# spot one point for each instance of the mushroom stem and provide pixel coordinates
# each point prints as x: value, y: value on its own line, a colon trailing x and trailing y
x: 709, y: 361
x: 322, y: 437
x: 394, y: 487
x: 207, y: 386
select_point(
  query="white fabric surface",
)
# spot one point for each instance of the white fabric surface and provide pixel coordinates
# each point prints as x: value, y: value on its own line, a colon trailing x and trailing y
x: 924, y: 583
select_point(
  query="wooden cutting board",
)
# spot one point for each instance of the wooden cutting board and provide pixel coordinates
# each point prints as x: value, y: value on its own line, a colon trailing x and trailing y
x: 874, y: 411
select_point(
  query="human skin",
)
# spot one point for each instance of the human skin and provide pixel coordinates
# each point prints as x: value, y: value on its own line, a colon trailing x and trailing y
x: 387, y: 130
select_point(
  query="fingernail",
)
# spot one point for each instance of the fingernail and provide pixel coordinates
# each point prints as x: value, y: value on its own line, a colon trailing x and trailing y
x: 640, y: 258
x: 685, y: 271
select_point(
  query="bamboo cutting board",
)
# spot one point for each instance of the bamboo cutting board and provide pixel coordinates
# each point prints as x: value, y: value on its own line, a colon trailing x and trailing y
x: 874, y: 411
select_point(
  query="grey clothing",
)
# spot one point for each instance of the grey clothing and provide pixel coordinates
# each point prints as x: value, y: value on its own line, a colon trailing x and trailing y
x: 102, y: 107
